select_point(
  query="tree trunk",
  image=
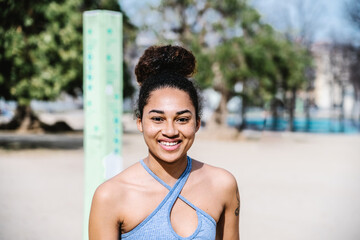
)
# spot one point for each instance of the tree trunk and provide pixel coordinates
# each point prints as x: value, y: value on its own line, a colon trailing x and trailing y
x: 307, y: 112
x: 342, y: 113
x: 221, y: 111
x: 359, y: 117
x: 29, y: 120
x: 292, y: 110
x: 354, y: 108
x: 358, y: 104
x: 332, y: 105
x: 219, y: 117
x: 274, y: 114
x: 243, y: 114
x: 25, y: 121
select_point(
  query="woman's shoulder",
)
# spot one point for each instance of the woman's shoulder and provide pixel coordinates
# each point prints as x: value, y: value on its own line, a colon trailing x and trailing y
x: 212, y: 171
x: 112, y: 191
x: 112, y: 198
x: 220, y: 178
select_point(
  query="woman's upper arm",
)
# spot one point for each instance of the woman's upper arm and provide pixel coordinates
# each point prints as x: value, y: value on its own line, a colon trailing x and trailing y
x: 103, y: 221
x: 228, y: 225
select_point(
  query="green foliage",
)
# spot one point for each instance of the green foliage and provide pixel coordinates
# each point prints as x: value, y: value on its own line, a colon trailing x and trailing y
x: 41, y: 47
x: 128, y: 88
x: 253, y: 53
x: 232, y: 64
x: 203, y: 64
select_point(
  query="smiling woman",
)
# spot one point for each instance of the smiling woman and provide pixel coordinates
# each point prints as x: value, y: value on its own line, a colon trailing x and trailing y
x: 167, y: 195
x: 169, y: 125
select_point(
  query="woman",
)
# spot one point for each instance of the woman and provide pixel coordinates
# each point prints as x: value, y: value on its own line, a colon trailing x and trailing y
x: 167, y: 195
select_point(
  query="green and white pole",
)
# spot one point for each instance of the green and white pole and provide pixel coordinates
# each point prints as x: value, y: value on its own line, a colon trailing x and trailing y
x: 103, y: 73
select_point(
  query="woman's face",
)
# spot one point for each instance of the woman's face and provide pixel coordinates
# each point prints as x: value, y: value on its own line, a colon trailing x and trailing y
x: 169, y: 124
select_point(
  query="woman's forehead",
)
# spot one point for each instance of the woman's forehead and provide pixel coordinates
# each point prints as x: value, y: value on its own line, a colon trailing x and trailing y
x: 170, y: 99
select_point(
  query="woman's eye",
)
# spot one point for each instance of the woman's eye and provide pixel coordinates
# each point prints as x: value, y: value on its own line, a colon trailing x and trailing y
x: 156, y: 119
x: 183, y: 120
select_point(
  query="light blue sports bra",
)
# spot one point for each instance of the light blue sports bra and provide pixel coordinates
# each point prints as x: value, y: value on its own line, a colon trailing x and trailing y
x: 157, y: 225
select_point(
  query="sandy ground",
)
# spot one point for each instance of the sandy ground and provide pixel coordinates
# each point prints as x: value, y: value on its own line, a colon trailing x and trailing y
x: 292, y: 186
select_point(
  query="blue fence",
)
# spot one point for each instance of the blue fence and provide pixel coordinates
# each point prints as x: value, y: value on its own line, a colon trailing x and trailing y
x: 322, y: 125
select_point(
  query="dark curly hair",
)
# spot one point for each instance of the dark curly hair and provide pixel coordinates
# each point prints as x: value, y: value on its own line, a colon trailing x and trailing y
x: 166, y: 67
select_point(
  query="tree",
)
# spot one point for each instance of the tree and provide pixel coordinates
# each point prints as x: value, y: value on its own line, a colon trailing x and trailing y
x: 202, y: 27
x: 353, y: 12
x: 232, y: 46
x: 299, y: 20
x: 339, y: 69
x: 269, y: 64
x: 355, y: 81
x: 41, y: 51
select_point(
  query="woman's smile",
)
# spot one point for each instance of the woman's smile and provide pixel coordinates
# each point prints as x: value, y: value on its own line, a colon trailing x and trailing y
x: 170, y: 145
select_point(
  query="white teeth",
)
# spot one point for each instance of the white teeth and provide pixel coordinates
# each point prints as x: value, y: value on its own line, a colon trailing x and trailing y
x: 169, y: 143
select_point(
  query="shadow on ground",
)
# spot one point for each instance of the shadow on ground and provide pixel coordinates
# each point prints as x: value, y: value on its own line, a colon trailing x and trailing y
x: 32, y: 141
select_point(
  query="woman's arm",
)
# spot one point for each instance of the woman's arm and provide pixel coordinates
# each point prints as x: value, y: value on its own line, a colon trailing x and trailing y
x: 228, y: 225
x: 103, y: 222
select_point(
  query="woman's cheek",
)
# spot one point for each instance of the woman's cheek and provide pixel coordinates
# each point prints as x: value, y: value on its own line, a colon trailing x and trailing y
x: 152, y: 129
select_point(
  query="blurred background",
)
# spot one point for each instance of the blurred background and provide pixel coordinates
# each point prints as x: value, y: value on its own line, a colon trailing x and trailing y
x: 281, y: 88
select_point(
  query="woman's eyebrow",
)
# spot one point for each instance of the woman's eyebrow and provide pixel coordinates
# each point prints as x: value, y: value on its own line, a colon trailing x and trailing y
x: 156, y: 111
x: 183, y: 111
x: 162, y: 112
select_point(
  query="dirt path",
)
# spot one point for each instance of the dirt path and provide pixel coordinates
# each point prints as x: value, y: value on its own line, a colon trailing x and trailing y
x: 292, y: 186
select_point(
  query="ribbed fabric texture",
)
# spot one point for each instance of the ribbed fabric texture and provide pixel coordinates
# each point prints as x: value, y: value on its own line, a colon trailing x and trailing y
x: 157, y: 225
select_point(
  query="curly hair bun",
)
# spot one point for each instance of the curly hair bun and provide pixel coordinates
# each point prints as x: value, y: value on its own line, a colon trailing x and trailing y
x: 159, y: 59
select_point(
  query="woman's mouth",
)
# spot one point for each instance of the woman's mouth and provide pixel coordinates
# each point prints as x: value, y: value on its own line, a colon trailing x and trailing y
x: 169, y: 146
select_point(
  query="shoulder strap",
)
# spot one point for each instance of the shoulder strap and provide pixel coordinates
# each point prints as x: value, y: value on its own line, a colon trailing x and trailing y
x: 185, y: 174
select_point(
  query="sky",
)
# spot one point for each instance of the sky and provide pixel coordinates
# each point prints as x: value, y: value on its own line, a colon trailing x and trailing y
x: 328, y: 17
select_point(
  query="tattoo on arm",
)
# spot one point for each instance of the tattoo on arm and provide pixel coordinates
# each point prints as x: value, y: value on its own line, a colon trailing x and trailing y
x: 237, y: 210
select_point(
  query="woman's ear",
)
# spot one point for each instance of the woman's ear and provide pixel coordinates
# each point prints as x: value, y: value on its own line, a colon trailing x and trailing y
x: 139, y: 124
x: 198, y: 124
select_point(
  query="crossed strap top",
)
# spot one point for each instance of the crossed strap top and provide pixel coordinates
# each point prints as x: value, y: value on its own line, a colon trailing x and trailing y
x: 157, y: 225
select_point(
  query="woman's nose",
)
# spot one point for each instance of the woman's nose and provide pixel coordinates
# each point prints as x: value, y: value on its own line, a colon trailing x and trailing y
x: 169, y: 130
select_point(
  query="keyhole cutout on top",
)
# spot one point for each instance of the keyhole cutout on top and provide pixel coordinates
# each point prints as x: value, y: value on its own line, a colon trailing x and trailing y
x: 183, y: 218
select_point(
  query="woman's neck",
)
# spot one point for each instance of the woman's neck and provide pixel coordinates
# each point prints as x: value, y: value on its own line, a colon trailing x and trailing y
x: 168, y: 172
